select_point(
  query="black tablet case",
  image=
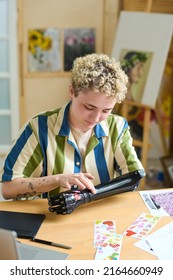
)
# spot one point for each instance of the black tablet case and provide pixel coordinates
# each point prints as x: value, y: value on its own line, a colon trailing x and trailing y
x: 26, y: 225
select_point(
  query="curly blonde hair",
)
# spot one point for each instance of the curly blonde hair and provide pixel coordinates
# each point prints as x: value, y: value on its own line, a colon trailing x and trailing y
x: 100, y: 73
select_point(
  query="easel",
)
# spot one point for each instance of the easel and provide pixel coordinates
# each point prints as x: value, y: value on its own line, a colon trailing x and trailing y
x: 144, y: 142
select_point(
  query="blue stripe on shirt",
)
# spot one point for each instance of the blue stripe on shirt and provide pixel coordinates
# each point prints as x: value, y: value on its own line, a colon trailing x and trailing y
x: 15, y: 152
x: 65, y: 128
x: 43, y: 136
x: 99, y: 132
x: 77, y: 163
x: 101, y: 162
x: 77, y: 158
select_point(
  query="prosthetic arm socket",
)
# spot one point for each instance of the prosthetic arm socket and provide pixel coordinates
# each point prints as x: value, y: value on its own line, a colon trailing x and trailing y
x: 65, y: 202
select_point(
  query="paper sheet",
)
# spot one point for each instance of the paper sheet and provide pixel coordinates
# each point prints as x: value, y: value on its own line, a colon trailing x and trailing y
x: 161, y: 242
x: 153, y: 207
x: 164, y: 200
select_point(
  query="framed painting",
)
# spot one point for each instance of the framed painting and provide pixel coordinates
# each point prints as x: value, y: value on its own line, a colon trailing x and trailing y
x: 44, y: 50
x: 77, y: 42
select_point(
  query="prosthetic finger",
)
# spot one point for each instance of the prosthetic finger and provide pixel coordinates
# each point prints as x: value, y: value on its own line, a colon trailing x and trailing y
x: 66, y: 202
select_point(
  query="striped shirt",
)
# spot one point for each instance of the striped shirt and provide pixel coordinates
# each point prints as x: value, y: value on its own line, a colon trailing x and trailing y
x: 46, y: 146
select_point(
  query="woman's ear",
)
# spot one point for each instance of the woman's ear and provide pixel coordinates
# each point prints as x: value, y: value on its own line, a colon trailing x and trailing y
x: 71, y: 91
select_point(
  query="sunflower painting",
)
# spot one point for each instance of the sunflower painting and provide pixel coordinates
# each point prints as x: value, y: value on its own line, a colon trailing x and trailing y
x: 43, y: 50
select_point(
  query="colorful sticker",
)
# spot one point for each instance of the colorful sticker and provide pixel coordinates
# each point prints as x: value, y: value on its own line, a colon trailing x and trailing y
x: 110, y: 248
x: 142, y: 226
x: 102, y: 229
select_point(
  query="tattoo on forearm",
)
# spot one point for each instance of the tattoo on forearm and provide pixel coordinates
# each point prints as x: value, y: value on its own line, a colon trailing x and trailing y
x: 26, y: 195
x: 30, y: 186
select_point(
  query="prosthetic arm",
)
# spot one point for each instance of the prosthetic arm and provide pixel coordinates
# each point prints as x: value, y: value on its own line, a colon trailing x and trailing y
x: 65, y: 202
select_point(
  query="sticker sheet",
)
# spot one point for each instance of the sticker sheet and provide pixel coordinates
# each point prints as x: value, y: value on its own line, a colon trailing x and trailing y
x: 102, y: 228
x: 142, y: 226
x: 110, y: 248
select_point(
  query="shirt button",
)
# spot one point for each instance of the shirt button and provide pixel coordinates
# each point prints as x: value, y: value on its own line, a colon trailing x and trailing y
x: 77, y: 163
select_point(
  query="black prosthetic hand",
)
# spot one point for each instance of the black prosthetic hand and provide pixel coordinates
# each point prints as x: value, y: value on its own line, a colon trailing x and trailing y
x: 66, y: 202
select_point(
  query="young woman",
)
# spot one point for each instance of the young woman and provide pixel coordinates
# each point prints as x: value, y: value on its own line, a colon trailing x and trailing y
x: 80, y: 144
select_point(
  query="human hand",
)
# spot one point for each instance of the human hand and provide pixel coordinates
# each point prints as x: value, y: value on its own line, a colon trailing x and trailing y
x: 79, y: 181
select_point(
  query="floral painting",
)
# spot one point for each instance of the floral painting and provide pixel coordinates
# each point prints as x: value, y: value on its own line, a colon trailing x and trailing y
x: 77, y: 42
x: 44, y: 50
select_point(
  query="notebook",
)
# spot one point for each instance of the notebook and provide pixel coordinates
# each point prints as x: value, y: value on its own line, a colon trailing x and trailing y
x: 26, y: 225
x: 11, y: 249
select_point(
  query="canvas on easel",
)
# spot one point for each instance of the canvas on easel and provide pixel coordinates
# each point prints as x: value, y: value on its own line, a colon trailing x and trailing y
x: 149, y: 34
x: 142, y: 52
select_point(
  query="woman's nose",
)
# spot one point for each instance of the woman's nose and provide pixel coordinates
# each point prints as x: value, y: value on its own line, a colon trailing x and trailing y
x: 95, y: 116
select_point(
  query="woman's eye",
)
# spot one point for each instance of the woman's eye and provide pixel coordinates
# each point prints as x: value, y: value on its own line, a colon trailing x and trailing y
x: 88, y: 108
x: 106, y: 111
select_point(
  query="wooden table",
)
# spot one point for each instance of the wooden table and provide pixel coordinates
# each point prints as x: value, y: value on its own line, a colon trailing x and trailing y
x: 77, y: 228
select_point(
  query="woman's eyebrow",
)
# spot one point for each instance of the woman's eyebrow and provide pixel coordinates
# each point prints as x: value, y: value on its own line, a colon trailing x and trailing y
x: 88, y: 104
x: 93, y: 106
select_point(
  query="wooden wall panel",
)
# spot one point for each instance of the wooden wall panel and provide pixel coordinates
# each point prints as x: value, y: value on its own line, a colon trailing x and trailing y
x: 62, y: 14
x: 44, y: 91
x: 111, y: 14
x: 157, y: 6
